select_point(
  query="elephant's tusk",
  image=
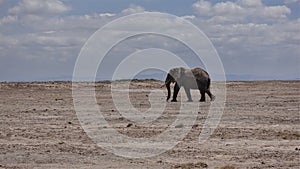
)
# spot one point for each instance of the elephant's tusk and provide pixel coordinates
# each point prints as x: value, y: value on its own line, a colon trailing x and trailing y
x: 162, y: 85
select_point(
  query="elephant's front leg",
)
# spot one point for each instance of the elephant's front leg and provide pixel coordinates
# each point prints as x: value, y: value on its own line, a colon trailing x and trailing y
x: 188, y: 94
x: 176, y: 90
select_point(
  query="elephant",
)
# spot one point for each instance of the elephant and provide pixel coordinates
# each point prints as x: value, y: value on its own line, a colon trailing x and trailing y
x: 196, y: 78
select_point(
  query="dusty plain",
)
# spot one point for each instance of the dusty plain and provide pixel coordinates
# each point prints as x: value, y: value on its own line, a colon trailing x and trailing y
x: 260, y: 128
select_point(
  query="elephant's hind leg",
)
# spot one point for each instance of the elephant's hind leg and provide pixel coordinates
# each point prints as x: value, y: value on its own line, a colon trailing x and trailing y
x: 202, y: 92
x: 212, y: 97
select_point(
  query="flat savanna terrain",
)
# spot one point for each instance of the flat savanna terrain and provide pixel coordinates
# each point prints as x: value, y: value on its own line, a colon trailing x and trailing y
x: 259, y: 128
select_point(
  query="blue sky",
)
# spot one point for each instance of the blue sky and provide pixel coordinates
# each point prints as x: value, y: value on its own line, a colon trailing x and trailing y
x: 256, y: 39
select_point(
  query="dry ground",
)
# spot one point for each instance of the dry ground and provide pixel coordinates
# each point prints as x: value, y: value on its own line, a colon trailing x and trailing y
x: 259, y: 128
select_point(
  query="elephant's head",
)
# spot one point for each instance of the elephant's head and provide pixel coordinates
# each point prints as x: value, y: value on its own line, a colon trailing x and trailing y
x: 173, y: 76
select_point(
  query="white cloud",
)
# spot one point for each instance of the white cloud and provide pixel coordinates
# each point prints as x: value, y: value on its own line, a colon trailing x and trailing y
x: 256, y: 48
x: 188, y: 17
x: 227, y: 8
x: 251, y: 37
x: 8, y: 19
x: 250, y: 3
x: 241, y: 10
x: 203, y: 7
x: 39, y: 7
x: 133, y: 9
x: 107, y: 14
x: 276, y: 12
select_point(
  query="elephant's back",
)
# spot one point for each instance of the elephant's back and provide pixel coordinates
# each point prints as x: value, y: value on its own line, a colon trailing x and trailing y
x: 199, y: 72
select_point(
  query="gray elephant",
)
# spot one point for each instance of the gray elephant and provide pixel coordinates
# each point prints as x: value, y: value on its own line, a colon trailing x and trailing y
x: 196, y: 78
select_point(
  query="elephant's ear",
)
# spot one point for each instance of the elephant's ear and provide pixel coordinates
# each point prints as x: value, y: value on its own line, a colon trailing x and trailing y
x: 181, y: 71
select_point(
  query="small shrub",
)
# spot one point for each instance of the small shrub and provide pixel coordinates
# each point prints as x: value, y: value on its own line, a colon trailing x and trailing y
x: 227, y: 167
